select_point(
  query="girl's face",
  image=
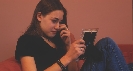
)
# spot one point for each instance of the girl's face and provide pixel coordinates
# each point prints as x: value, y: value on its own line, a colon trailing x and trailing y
x: 51, y: 22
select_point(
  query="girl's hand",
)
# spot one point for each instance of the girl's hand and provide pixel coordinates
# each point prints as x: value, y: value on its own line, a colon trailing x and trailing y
x: 76, y: 49
x: 65, y: 34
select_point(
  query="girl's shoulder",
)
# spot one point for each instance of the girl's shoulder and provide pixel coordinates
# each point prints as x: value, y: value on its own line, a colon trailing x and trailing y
x: 26, y: 37
x: 30, y: 40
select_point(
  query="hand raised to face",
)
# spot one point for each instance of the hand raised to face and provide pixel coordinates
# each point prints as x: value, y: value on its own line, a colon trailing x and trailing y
x: 65, y: 34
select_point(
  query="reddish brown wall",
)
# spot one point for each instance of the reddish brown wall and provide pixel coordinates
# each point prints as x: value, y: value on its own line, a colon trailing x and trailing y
x: 113, y: 18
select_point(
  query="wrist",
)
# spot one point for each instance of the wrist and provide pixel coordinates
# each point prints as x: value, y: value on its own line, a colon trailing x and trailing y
x: 65, y: 60
x: 61, y: 65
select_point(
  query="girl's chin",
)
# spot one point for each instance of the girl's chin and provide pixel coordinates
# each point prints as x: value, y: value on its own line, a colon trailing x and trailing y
x: 51, y: 36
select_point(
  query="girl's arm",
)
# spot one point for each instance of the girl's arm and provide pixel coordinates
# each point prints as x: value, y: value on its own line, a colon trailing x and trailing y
x: 28, y: 64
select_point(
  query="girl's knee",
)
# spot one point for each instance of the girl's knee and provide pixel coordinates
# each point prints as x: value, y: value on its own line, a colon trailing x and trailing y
x: 107, y: 41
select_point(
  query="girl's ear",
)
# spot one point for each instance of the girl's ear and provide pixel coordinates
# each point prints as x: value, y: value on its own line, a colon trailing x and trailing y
x: 39, y: 16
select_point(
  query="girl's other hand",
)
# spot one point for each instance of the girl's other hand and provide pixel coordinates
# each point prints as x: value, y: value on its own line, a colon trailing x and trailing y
x: 65, y: 34
x: 76, y: 49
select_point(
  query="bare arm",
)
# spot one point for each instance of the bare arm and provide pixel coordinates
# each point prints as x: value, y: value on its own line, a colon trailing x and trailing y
x: 72, y: 66
x: 28, y: 64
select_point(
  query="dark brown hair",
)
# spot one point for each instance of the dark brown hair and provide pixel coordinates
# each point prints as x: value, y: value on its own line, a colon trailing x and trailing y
x: 45, y: 7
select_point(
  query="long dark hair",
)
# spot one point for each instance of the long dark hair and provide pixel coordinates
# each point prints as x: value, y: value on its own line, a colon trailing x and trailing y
x: 45, y: 7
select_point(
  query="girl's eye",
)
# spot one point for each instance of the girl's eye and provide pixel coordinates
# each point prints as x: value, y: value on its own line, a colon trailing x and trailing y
x: 54, y: 21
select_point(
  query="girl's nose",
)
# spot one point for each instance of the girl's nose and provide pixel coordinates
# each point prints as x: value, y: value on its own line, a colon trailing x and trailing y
x: 57, y: 26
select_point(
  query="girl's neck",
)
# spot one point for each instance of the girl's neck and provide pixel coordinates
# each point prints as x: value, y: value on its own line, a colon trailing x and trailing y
x: 49, y: 41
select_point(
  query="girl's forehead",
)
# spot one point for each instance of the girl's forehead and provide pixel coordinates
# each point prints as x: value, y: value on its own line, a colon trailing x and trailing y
x: 57, y: 14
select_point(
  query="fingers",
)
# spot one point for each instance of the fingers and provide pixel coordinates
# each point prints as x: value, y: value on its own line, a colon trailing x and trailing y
x: 82, y: 49
x: 80, y: 45
x: 80, y: 41
x: 63, y: 27
x: 76, y: 49
x: 64, y: 33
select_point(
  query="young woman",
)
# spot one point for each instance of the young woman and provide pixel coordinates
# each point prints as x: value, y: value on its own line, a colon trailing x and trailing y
x: 46, y: 44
